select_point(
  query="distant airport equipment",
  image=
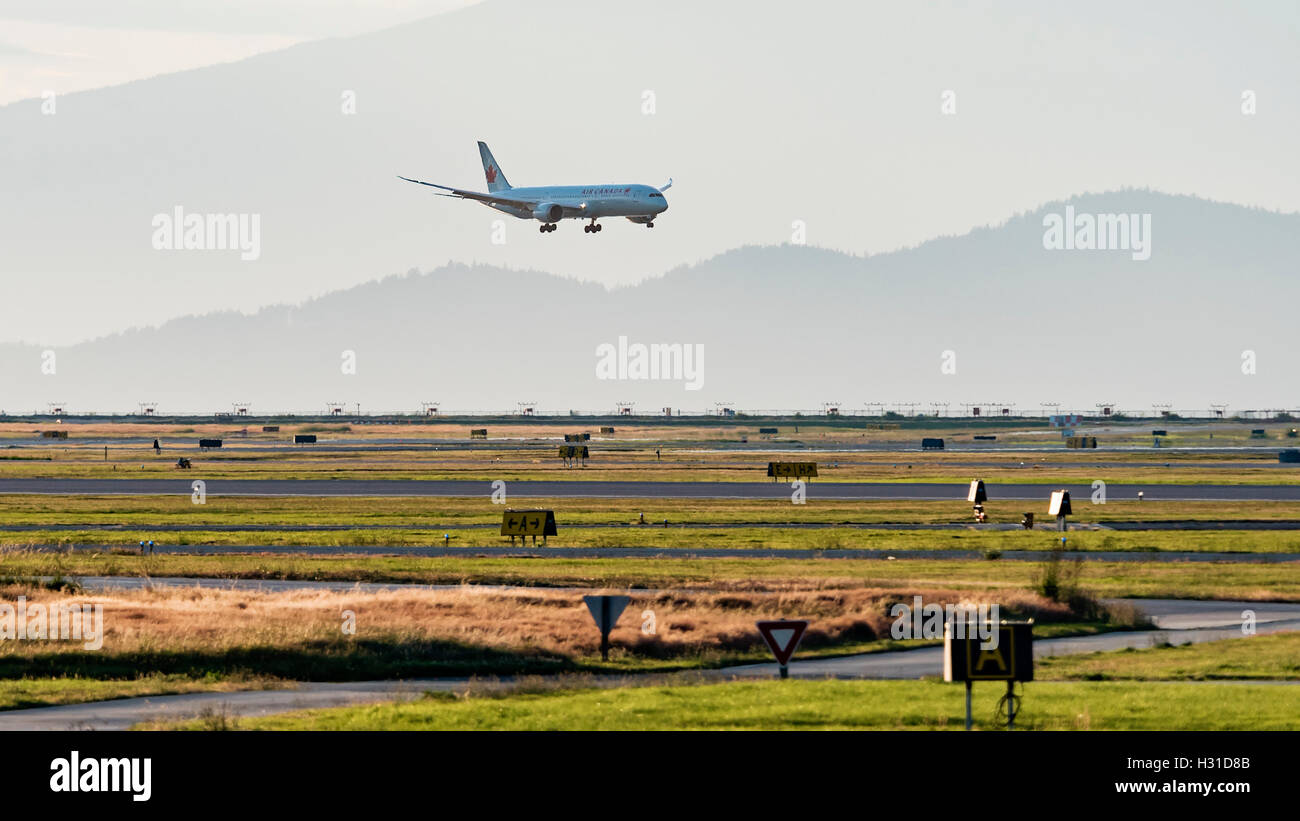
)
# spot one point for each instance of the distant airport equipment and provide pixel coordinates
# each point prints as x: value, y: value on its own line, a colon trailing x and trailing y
x: 478, y: 433
x: 304, y: 438
x: 782, y: 638
x: 1159, y: 433
x: 577, y: 437
x: 607, y: 431
x: 625, y: 408
x: 54, y: 434
x: 1027, y: 520
x: 183, y: 463
x: 335, y: 408
x: 831, y: 408
x: 1219, y: 410
x: 1293, y: 433
x: 939, y: 408
x: 768, y: 431
x: 148, y: 408
x: 1059, y: 506
x: 1289, y: 456
x: 548, y: 205
x: 429, y: 408
x: 1065, y: 420
x: 968, y: 660
x: 527, y: 408
x: 791, y: 470
x: 146, y: 545
x: 1105, y: 408
x: 605, y: 611
x: 240, y: 408
x: 270, y: 429
x: 1081, y: 442
x: 931, y: 443
x: 572, y: 453
x: 668, y: 412
x: 971, y: 410
x: 56, y: 408
x: 207, y: 444
x: 724, y: 408
x: 525, y: 523
x: 985, y: 437
x: 1259, y: 433
x: 1163, y: 409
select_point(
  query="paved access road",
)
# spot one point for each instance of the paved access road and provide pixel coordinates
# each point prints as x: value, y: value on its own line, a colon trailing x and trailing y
x: 597, y: 489
x: 1181, y: 622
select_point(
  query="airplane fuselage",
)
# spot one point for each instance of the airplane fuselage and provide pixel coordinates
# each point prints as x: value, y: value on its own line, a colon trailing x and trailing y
x: 636, y: 202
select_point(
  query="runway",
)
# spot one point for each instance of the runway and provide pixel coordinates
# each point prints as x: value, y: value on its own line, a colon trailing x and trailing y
x: 598, y: 489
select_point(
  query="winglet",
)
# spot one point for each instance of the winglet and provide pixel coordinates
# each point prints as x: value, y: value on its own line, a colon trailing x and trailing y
x: 666, y: 187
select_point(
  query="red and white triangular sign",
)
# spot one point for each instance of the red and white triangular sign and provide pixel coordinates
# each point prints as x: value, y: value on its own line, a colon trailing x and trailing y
x: 782, y: 638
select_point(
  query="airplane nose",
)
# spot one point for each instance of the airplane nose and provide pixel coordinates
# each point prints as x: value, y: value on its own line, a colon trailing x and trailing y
x: 663, y: 206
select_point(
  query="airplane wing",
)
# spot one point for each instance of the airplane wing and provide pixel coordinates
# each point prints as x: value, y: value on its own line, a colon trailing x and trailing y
x: 494, y: 199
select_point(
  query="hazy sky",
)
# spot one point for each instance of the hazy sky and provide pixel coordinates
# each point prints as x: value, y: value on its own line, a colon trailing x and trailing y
x: 73, y: 45
x: 767, y: 113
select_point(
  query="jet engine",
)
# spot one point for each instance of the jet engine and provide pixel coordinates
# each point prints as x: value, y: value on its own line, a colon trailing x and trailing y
x: 548, y: 212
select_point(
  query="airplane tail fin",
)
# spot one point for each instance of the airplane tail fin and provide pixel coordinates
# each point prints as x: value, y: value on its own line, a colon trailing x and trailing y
x: 496, y: 180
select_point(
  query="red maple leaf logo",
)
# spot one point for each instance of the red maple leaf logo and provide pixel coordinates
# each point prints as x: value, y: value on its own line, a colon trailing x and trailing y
x: 491, y: 174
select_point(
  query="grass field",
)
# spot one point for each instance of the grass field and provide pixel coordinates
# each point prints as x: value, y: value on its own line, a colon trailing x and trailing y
x: 846, y: 705
x: 1275, y: 658
x: 406, y: 513
x: 1192, y: 580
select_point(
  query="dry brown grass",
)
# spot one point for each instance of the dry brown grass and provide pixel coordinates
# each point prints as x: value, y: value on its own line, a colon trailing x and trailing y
x: 546, y: 622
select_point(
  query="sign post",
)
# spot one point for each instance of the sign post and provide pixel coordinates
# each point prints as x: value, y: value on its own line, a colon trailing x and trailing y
x: 966, y: 658
x: 782, y: 637
x: 605, y: 610
x: 525, y: 523
x: 1059, y: 506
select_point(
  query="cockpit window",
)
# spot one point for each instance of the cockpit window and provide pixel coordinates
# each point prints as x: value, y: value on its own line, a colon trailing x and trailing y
x: 660, y: 196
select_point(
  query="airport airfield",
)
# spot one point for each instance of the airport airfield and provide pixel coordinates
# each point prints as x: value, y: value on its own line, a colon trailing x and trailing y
x: 245, y: 592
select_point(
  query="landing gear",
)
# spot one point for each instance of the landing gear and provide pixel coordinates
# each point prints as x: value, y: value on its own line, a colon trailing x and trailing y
x: 592, y: 228
x: 546, y: 227
x: 650, y: 224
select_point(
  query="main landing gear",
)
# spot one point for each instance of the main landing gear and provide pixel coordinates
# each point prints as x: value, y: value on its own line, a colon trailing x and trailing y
x: 546, y: 227
x: 592, y: 228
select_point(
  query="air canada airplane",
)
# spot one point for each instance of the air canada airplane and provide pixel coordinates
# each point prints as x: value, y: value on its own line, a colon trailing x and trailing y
x: 550, y: 204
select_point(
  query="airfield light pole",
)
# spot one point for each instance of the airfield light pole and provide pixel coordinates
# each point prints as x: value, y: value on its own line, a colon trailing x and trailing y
x: 1219, y: 411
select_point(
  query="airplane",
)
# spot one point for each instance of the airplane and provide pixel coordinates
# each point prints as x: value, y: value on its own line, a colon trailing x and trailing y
x: 550, y: 204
